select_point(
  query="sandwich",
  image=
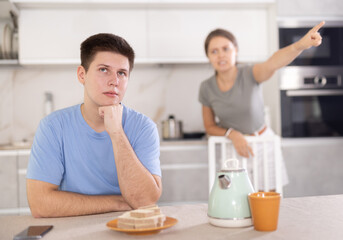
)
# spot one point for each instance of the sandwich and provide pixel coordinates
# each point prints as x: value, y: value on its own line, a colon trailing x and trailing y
x: 144, y: 217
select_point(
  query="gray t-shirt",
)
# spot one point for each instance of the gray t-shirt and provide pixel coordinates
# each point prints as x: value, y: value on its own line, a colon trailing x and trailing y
x: 240, y: 108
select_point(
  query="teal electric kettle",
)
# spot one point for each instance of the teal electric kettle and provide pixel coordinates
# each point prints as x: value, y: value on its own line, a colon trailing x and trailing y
x: 228, y: 205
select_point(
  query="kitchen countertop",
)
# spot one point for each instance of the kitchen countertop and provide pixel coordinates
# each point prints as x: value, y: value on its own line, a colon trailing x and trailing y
x: 319, y: 217
x: 17, y: 146
x: 184, y: 142
x: 171, y: 145
x: 285, y: 142
x: 316, y: 141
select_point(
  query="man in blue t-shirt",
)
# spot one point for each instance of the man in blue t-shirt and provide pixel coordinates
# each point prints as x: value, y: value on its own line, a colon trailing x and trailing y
x: 98, y: 156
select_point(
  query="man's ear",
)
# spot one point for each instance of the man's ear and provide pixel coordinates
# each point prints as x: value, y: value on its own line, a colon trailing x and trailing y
x: 81, y: 74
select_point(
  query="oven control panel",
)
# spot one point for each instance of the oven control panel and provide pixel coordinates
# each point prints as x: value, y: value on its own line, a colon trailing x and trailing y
x: 311, y: 78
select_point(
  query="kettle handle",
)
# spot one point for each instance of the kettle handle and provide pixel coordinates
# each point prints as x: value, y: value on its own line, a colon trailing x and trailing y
x: 231, y: 164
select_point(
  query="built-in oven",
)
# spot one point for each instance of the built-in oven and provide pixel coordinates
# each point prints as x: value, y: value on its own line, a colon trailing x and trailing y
x: 311, y: 87
x: 311, y: 102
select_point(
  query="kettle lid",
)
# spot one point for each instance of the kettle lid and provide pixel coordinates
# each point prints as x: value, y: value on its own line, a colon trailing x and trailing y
x: 232, y: 164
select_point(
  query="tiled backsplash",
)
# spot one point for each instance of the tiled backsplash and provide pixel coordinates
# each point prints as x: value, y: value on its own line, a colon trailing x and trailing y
x: 6, y: 104
x: 153, y: 90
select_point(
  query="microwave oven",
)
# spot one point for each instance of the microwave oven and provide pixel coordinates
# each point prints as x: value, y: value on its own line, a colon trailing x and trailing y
x: 329, y: 53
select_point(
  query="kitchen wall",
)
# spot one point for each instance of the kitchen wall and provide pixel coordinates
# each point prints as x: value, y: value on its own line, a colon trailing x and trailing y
x: 155, y: 90
x: 6, y: 104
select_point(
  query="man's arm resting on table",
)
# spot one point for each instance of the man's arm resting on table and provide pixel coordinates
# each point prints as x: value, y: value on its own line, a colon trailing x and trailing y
x: 46, y: 200
x: 138, y: 186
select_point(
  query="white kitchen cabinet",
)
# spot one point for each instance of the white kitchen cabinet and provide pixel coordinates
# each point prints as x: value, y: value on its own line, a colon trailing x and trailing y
x: 184, y: 172
x: 8, y: 182
x: 50, y: 32
x: 54, y: 35
x: 13, y: 198
x: 180, y: 33
x: 314, y: 166
x: 23, y: 161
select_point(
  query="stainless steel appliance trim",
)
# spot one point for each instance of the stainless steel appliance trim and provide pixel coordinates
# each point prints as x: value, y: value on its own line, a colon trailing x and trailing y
x: 314, y: 92
x: 308, y: 23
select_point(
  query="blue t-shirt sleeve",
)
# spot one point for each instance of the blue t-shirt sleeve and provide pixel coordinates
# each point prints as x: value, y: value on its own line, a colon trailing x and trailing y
x: 46, y: 162
x: 147, y: 148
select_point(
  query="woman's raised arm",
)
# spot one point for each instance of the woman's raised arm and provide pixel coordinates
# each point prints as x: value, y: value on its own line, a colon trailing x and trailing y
x: 284, y: 56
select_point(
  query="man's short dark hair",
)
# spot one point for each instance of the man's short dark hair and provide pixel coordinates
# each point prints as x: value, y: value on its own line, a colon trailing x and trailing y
x: 105, y: 42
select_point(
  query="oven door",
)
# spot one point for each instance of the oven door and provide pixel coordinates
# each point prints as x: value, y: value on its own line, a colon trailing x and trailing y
x: 329, y: 53
x: 312, y: 112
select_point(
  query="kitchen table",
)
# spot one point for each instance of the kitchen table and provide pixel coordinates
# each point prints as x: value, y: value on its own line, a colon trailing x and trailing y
x: 319, y: 217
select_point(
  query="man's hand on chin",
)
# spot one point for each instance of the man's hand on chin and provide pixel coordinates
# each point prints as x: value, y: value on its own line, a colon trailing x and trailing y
x: 112, y: 116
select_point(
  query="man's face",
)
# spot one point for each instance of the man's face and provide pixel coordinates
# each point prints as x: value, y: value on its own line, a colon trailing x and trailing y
x: 106, y: 80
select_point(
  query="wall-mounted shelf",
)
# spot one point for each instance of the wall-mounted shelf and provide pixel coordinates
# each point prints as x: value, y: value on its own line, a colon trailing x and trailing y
x: 9, y: 62
x: 94, y: 4
x: 138, y: 61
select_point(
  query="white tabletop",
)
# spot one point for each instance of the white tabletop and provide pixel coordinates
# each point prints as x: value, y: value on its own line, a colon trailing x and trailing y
x: 300, y: 218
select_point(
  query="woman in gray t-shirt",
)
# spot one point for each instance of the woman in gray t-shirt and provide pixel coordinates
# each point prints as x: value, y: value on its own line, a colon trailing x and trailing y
x: 233, y: 93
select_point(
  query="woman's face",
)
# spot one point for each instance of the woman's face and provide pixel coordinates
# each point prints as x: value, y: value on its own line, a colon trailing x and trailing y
x: 222, y: 54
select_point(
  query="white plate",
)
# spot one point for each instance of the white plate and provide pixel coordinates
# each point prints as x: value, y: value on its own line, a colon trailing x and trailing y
x: 7, y: 41
x: 15, y: 45
x: 2, y: 27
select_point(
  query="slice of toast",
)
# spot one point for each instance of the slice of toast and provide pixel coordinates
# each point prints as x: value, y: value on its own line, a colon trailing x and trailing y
x: 146, y: 225
x: 126, y: 218
x: 142, y: 213
x: 125, y: 225
x: 149, y: 206
x: 142, y: 223
x: 154, y: 207
x: 141, y: 218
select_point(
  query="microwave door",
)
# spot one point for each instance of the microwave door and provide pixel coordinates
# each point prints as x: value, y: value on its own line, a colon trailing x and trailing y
x: 327, y: 54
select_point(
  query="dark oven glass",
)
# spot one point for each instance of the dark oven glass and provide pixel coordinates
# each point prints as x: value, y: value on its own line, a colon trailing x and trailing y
x: 309, y: 115
x: 330, y: 52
